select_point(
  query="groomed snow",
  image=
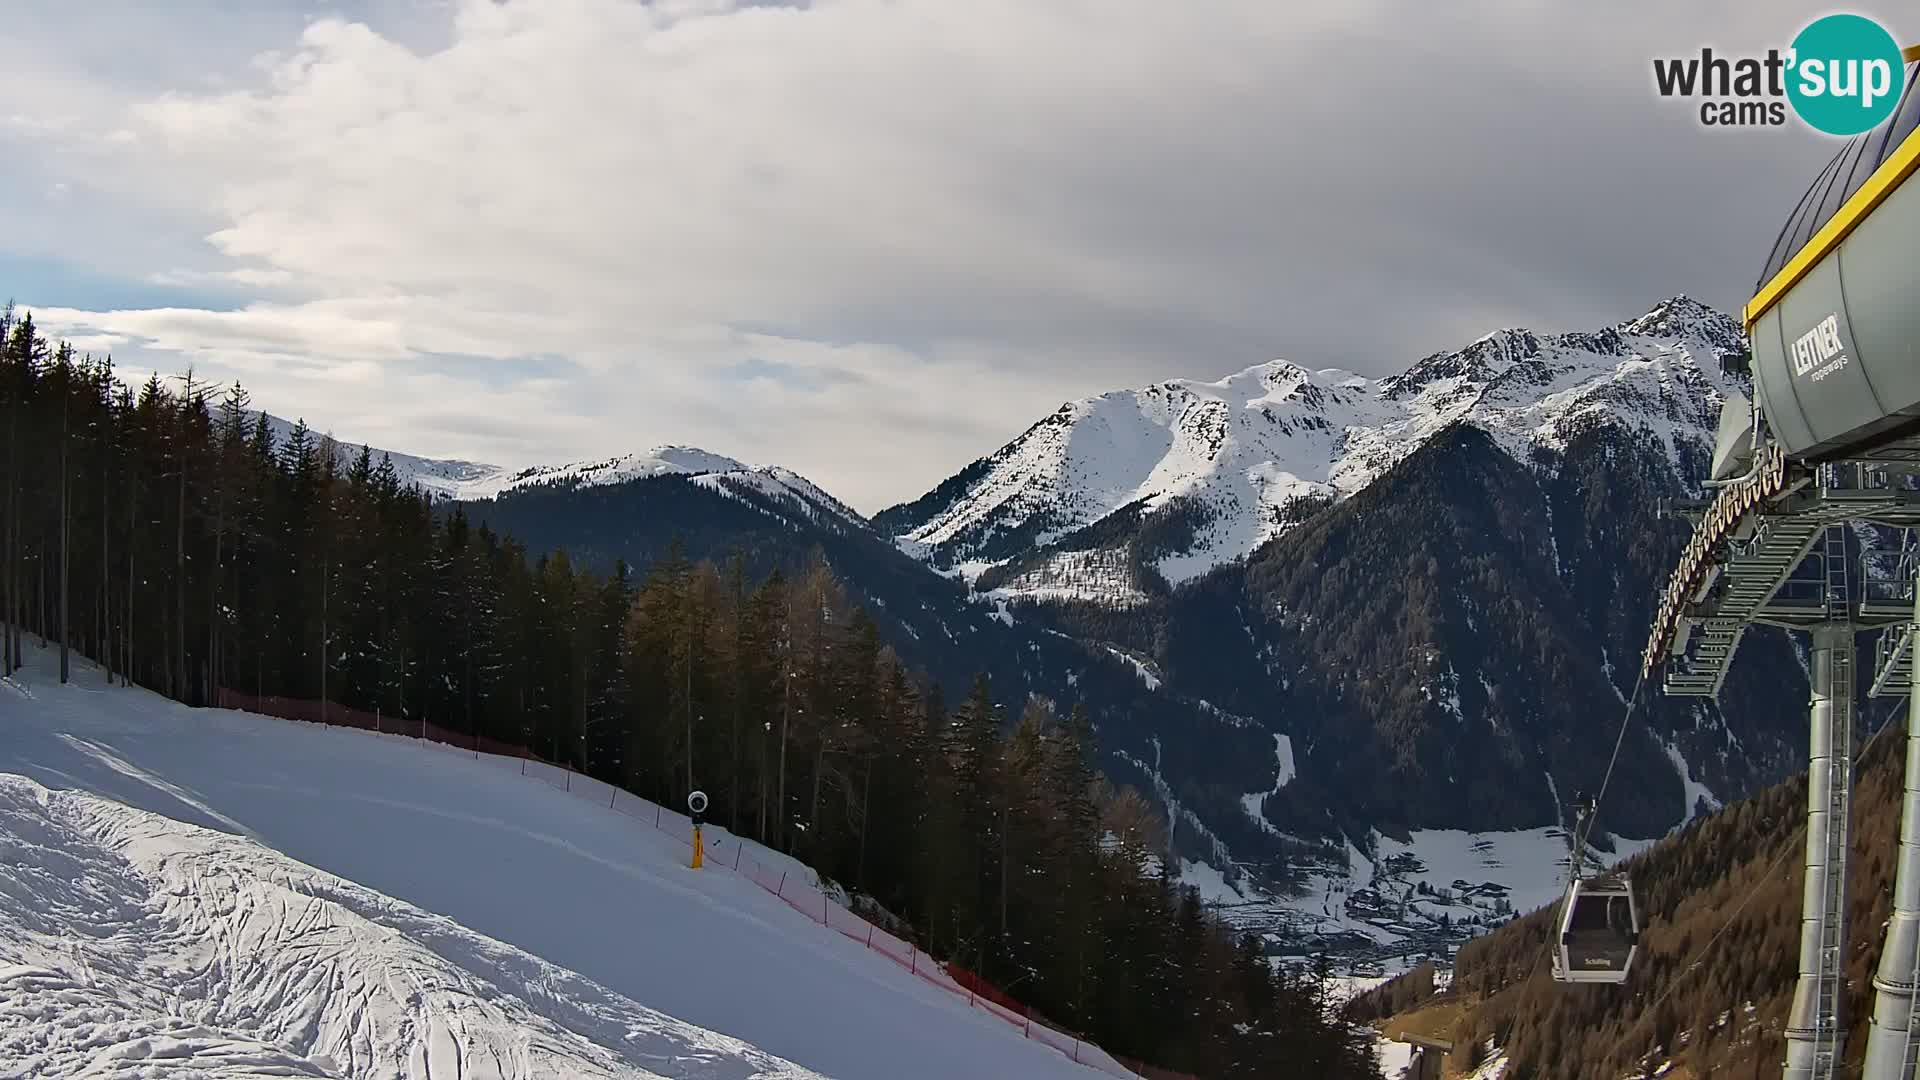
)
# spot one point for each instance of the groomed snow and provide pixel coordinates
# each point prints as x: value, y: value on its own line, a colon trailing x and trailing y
x: 135, y: 945
x: 517, y: 869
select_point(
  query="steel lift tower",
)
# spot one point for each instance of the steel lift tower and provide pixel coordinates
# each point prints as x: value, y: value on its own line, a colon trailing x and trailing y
x: 1830, y: 444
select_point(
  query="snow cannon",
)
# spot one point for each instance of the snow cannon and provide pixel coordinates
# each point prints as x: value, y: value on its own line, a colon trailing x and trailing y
x: 1835, y: 318
x: 697, y: 809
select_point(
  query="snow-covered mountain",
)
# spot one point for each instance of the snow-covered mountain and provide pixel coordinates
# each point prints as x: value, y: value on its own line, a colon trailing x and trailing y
x: 1234, y: 463
x: 444, y: 478
x: 1388, y: 585
x: 659, y: 461
x: 447, y: 478
x: 714, y: 472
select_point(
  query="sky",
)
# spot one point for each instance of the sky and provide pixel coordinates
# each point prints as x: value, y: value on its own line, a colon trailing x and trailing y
x: 870, y: 240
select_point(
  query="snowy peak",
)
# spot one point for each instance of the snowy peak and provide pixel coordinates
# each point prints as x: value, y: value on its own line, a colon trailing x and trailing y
x: 1239, y: 460
x: 659, y: 461
x: 1682, y: 316
x: 1477, y: 364
x: 444, y: 478
x: 769, y: 486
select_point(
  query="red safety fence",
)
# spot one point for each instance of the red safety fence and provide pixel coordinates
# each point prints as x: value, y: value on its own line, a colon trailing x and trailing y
x: 727, y: 852
x: 318, y: 712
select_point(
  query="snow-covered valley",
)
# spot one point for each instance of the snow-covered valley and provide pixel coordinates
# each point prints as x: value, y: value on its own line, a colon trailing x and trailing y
x: 1413, y: 899
x: 211, y: 893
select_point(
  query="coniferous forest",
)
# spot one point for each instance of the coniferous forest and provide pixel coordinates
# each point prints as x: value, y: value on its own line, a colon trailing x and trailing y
x: 163, y: 532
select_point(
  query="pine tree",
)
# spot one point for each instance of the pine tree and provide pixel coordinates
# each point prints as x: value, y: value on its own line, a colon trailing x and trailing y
x: 222, y: 562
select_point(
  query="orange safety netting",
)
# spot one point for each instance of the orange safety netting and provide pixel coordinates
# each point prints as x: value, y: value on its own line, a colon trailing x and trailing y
x: 725, y: 852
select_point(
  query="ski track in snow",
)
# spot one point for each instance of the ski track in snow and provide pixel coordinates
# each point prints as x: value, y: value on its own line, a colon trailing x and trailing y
x: 1283, y: 760
x: 1696, y: 792
x: 142, y: 946
x: 313, y: 901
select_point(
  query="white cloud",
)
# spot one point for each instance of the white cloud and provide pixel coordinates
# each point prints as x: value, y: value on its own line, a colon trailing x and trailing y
x: 870, y: 238
x: 246, y: 275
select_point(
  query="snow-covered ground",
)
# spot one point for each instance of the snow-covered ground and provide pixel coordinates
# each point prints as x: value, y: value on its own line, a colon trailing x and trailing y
x: 1531, y: 864
x: 393, y: 908
x: 1381, y: 914
x: 1286, y: 771
x: 1394, y: 1057
x: 137, y: 945
x: 1698, y: 795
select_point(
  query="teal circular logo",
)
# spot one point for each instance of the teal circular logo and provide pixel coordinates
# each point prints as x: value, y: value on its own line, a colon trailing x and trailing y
x: 1845, y: 74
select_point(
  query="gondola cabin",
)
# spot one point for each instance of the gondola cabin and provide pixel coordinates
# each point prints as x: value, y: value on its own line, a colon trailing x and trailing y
x: 1599, y: 931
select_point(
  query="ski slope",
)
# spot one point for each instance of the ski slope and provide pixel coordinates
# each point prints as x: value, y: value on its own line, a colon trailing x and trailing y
x: 148, y: 947
x: 382, y: 907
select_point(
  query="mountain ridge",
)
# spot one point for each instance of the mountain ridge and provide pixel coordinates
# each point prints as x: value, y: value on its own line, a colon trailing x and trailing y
x: 1242, y: 459
x: 1535, y: 461
x: 453, y: 479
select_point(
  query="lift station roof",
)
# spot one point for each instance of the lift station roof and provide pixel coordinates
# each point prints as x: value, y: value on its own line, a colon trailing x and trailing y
x: 1835, y: 320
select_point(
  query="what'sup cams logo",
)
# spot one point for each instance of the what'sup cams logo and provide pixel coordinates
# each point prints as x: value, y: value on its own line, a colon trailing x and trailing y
x: 1842, y: 75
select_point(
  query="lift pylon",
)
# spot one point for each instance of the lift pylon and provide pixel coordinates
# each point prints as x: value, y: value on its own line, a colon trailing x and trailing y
x: 1830, y: 440
x: 1817, y: 1028
x: 1893, y: 1043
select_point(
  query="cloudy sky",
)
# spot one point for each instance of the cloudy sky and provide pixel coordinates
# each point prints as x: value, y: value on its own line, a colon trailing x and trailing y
x: 867, y: 239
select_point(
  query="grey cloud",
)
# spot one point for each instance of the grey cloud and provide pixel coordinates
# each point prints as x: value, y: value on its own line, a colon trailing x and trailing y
x: 988, y: 206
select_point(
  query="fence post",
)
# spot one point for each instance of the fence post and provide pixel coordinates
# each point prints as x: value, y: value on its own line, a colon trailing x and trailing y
x: 738, y: 846
x: 1076, y: 1051
x: 656, y: 815
x: 913, y: 958
x: 376, y: 719
x: 826, y: 916
x: 781, y: 892
x: 610, y: 798
x: 869, y: 935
